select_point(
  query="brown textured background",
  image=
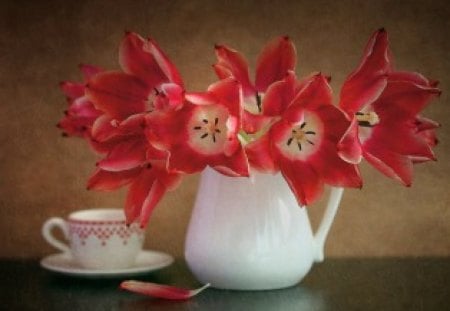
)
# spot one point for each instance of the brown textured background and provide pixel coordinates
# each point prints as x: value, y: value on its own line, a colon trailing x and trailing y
x: 43, y: 175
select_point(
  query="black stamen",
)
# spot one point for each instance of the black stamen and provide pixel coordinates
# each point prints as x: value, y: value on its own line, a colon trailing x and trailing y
x: 258, y: 102
x: 359, y: 113
x: 197, y: 128
x: 214, y: 137
x: 294, y: 131
x: 289, y: 141
x: 303, y: 125
x: 310, y: 142
x: 217, y: 130
x: 216, y: 121
x: 205, y: 121
x: 299, y: 146
x: 204, y: 135
x: 310, y: 132
x: 364, y: 123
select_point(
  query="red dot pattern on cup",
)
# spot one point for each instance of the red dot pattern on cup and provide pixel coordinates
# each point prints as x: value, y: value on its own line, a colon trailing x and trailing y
x: 103, y: 231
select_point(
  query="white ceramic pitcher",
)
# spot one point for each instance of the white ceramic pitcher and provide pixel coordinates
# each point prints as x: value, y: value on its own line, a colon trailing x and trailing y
x: 250, y: 233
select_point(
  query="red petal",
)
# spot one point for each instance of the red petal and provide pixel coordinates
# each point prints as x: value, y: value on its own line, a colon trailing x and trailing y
x: 430, y: 138
x: 278, y: 96
x: 234, y: 166
x: 252, y: 123
x: 391, y: 164
x: 138, y: 192
x: 178, y: 160
x: 403, y: 100
x: 228, y: 93
x: 82, y: 107
x: 222, y: 72
x: 423, y: 123
x: 155, y: 195
x: 147, y: 190
x: 201, y: 98
x: 304, y: 82
x: 106, y: 181
x: 169, y: 69
x: 89, y: 71
x: 102, y: 147
x: 72, y: 90
x: 302, y: 179
x: 349, y: 147
x: 232, y: 63
x: 79, y: 118
x: 399, y: 138
x: 365, y: 84
x: 409, y: 76
x: 169, y: 180
x: 260, y: 156
x: 133, y: 125
x: 314, y: 95
x: 126, y: 155
x: 135, y: 59
x: 276, y: 59
x: 332, y: 169
x: 155, y: 154
x: 117, y: 94
x: 161, y: 291
x: 102, y: 129
x: 175, y: 95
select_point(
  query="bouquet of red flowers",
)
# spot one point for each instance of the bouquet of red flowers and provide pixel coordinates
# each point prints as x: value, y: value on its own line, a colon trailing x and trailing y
x: 151, y: 131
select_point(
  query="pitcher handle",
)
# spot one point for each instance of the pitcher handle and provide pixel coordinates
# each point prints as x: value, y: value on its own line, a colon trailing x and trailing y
x: 327, y: 221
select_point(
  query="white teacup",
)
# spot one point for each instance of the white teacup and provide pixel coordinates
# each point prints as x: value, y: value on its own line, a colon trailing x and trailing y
x: 98, y: 238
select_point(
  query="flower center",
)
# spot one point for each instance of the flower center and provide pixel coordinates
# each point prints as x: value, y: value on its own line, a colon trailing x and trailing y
x: 301, y: 136
x: 300, y: 140
x: 209, y: 128
x: 367, y: 119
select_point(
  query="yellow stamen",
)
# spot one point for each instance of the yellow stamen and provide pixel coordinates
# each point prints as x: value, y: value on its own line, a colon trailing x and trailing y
x: 369, y: 117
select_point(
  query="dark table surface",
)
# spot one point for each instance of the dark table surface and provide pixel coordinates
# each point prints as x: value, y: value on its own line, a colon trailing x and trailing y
x: 336, y: 284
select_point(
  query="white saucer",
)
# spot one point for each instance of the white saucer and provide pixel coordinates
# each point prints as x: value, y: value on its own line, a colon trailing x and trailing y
x: 146, y: 261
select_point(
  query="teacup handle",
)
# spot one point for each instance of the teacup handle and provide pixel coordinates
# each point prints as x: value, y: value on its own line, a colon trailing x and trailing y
x: 327, y: 221
x: 47, y: 233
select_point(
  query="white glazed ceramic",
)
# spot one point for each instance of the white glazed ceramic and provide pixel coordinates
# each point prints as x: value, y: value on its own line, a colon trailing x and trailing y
x: 98, y: 238
x: 250, y: 233
x: 146, y: 261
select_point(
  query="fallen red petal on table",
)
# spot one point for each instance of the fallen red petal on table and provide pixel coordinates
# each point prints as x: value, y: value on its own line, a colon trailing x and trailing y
x: 160, y: 290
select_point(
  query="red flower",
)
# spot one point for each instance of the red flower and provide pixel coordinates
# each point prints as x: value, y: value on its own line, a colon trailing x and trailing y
x: 203, y: 132
x: 150, y: 82
x: 384, y: 107
x: 302, y: 144
x: 81, y: 114
x: 276, y: 59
